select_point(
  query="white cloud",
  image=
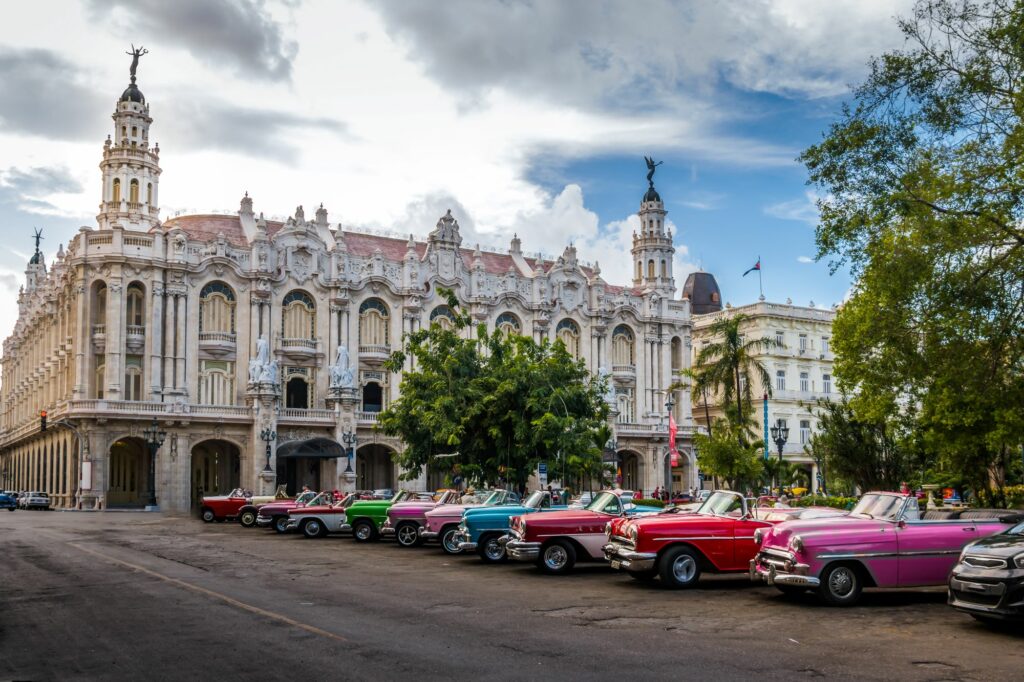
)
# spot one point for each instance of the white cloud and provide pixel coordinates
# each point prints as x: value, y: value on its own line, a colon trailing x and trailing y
x: 803, y: 210
x: 804, y: 259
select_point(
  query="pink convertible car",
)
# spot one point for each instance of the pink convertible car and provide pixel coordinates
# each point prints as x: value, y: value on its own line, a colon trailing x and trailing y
x: 884, y: 542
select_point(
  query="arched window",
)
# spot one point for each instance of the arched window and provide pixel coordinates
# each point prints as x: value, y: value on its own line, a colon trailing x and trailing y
x: 298, y: 316
x: 99, y: 308
x: 216, y: 382
x: 664, y: 270
x: 133, y: 378
x: 373, y: 324
x: 569, y: 333
x: 136, y: 306
x: 639, y: 269
x: 217, y: 309
x: 297, y: 393
x: 677, y: 354
x: 373, y: 397
x: 442, y: 316
x: 650, y: 269
x: 133, y: 192
x: 623, y: 346
x: 508, y: 324
x: 135, y: 131
x: 149, y: 193
x: 101, y: 371
x: 115, y: 194
x: 624, y: 403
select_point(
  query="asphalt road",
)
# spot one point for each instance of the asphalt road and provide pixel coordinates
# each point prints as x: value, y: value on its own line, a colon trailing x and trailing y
x: 131, y: 596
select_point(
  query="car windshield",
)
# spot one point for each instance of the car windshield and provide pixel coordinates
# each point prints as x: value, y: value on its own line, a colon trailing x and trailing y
x: 879, y: 506
x: 1016, y: 530
x: 535, y: 498
x: 722, y: 503
x: 605, y: 503
x: 399, y: 496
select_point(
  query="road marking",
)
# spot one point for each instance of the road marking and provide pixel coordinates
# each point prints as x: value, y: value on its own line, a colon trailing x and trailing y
x: 216, y: 595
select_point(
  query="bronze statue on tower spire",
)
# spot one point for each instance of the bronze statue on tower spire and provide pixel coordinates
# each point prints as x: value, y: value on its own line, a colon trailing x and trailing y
x: 135, y: 53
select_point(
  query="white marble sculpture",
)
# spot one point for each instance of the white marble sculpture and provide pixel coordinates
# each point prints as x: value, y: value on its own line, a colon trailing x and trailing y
x: 341, y: 372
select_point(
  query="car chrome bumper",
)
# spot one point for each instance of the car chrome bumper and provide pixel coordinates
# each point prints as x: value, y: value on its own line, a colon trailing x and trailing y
x: 263, y: 522
x: 622, y: 558
x: 771, y: 575
x: 428, y: 534
x: 464, y: 542
x: 518, y: 550
x: 387, y: 531
x: 293, y: 524
x: 998, y: 597
x: 345, y: 528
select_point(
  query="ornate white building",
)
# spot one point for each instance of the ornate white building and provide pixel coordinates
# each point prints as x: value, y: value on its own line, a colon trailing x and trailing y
x: 223, y: 329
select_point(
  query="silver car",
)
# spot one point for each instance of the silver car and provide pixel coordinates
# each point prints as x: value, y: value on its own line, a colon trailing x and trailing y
x: 34, y: 500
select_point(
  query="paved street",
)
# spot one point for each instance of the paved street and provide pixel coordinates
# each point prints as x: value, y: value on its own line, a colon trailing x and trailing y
x: 146, y: 596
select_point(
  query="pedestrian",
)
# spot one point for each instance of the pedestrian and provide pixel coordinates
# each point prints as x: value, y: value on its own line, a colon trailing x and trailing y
x: 782, y: 502
x: 657, y: 493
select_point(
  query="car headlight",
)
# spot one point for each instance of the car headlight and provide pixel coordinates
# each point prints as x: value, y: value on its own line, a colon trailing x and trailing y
x: 632, y: 533
x: 608, y: 529
x: 1019, y: 561
x: 758, y: 536
x: 522, y: 527
x: 796, y: 544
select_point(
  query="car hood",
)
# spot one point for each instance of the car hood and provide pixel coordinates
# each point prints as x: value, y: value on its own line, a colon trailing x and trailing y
x: 848, y: 529
x: 999, y: 545
x: 414, y: 505
x: 569, y: 515
x: 506, y: 510
x: 451, y: 509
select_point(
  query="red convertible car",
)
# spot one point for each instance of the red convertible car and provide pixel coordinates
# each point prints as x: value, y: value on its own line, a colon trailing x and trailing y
x: 555, y: 541
x: 678, y: 547
x: 221, y: 507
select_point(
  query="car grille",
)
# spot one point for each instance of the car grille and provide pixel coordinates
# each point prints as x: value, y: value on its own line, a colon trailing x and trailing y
x: 984, y: 562
x: 625, y: 542
x: 779, y: 559
x: 980, y: 599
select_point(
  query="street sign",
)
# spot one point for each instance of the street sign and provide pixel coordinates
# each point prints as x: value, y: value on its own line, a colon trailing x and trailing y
x: 542, y: 473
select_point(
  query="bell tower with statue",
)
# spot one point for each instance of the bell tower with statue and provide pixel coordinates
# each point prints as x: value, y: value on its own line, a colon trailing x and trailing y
x: 653, y: 251
x: 130, y: 166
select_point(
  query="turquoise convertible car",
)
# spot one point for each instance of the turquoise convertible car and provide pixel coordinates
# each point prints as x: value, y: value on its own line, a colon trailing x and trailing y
x: 481, y: 527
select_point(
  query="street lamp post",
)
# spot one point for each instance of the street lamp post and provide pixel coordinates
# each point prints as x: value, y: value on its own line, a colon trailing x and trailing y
x: 155, y: 437
x: 349, y: 440
x: 268, y: 436
x: 780, y: 434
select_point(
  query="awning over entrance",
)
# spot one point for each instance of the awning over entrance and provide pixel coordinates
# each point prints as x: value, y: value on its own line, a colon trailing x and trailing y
x: 314, y: 448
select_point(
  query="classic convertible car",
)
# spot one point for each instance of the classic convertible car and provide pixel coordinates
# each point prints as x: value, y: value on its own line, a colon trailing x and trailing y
x: 275, y: 514
x: 482, y: 528
x: 883, y: 542
x: 442, y: 522
x: 556, y: 541
x: 365, y: 517
x: 406, y: 518
x: 319, y: 520
x: 221, y: 507
x: 678, y: 546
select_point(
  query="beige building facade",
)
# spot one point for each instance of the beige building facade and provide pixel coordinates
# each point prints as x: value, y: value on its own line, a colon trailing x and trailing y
x: 225, y: 330
x: 799, y: 367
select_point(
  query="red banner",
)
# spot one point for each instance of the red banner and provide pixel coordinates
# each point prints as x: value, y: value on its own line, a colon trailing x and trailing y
x: 672, y: 429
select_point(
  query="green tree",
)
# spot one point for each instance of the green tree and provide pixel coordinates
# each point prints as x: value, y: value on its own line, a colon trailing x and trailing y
x: 729, y: 365
x: 726, y: 455
x: 865, y: 453
x: 923, y: 199
x: 493, y: 405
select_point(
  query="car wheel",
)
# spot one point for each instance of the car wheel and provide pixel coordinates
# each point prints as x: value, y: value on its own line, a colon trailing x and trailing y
x: 207, y: 516
x: 840, y: 585
x: 281, y: 524
x: 247, y: 519
x: 449, y: 543
x: 490, y: 550
x: 557, y: 558
x: 408, y: 535
x: 364, y: 531
x: 312, y: 528
x: 679, y: 568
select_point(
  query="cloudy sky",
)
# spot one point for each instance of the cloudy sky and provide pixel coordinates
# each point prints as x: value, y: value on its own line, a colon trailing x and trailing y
x: 521, y: 116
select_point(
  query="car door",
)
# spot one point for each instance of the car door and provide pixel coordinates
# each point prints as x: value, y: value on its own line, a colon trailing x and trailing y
x: 743, y: 547
x: 927, y: 550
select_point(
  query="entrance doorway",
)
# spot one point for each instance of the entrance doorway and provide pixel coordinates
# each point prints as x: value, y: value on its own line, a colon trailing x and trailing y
x: 629, y: 466
x: 216, y: 467
x: 300, y: 463
x: 128, y: 473
x: 297, y: 393
x: 374, y: 468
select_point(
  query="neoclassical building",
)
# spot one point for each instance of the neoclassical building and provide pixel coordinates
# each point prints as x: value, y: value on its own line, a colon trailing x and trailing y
x: 225, y: 329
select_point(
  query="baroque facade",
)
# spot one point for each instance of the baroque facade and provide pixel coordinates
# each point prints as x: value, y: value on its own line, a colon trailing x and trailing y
x: 224, y: 330
x: 799, y: 367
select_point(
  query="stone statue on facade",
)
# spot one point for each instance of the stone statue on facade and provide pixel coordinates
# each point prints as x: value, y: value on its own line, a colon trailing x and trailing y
x: 341, y: 372
x: 255, y: 369
x: 269, y: 373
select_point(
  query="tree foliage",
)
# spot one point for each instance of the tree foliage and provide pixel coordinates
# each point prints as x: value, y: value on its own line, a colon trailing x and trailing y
x: 923, y: 199
x: 726, y: 454
x: 491, y: 407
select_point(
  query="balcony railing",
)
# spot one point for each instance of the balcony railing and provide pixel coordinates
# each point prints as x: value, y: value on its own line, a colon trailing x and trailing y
x: 136, y: 330
x: 368, y: 417
x: 374, y: 353
x: 299, y: 343
x: 300, y: 415
x: 624, y: 370
x: 99, y: 330
x: 218, y: 337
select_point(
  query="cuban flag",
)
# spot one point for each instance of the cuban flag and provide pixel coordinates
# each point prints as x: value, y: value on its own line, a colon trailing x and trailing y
x: 757, y: 266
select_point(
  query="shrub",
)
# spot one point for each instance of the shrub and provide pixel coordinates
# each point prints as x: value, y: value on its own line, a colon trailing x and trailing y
x: 823, y: 501
x: 1015, y: 496
x: 645, y: 502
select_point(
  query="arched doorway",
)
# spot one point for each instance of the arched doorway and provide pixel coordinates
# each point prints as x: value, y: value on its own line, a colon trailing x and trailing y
x: 216, y: 466
x: 373, y: 397
x: 374, y: 468
x: 629, y: 470
x: 300, y: 463
x: 297, y: 393
x: 128, y: 473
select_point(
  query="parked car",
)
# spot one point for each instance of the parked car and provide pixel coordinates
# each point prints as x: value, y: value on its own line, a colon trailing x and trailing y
x: 883, y: 542
x: 222, y: 507
x: 676, y: 546
x: 442, y: 522
x: 319, y: 520
x: 34, y: 500
x: 584, y: 500
x: 405, y: 519
x: 8, y: 501
x: 481, y: 529
x: 988, y: 580
x: 275, y: 514
x: 556, y: 541
x: 365, y: 517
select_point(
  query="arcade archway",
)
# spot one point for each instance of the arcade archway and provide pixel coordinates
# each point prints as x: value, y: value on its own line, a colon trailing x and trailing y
x: 375, y: 469
x: 128, y: 473
x: 300, y: 463
x: 629, y: 471
x: 215, y: 468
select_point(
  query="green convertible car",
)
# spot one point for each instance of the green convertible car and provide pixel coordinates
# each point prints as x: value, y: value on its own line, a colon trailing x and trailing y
x: 365, y: 517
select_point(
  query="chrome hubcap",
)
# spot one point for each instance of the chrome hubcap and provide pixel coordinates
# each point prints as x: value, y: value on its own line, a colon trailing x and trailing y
x: 313, y: 528
x: 555, y: 557
x: 494, y: 550
x: 841, y: 582
x: 684, y: 568
x: 407, y: 535
x: 363, y: 532
x: 449, y: 542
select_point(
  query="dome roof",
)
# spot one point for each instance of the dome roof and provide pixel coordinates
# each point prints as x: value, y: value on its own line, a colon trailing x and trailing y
x: 132, y: 94
x: 652, y: 194
x: 702, y: 291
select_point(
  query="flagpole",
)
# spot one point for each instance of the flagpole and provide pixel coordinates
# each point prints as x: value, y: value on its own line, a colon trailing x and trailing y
x: 760, y: 282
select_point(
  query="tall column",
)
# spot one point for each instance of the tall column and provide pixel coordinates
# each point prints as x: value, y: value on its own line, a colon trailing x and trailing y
x: 167, y: 361
x: 181, y: 337
x: 114, y: 335
x: 83, y: 344
x: 156, y: 340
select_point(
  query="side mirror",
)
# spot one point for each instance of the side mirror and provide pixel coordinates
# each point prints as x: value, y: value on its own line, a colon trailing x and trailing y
x: 902, y: 523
